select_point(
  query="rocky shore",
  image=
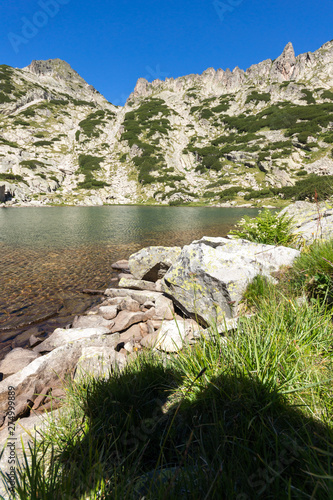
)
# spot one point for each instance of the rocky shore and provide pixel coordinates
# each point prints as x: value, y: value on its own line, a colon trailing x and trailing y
x: 166, y: 298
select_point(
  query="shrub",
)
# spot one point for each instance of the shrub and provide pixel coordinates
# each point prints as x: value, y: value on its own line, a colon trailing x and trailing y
x: 257, y: 97
x: 12, y: 177
x: 32, y: 164
x: 268, y: 228
x: 89, y: 125
x: 92, y: 184
x: 42, y: 143
x: 4, y: 98
x: 308, y: 96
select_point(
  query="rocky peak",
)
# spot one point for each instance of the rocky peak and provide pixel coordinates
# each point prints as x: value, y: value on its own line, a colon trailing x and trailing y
x: 141, y: 88
x: 283, y: 67
x: 53, y: 67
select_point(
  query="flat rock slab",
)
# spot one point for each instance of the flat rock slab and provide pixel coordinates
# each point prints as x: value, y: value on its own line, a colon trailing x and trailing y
x: 16, y: 360
x: 138, y: 295
x: 62, y: 336
x: 135, y: 284
x: 92, y: 321
x: 210, y: 276
x: 151, y: 263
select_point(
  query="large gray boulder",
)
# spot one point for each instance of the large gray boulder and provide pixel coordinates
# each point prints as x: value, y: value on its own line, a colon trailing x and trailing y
x: 151, y: 263
x: 210, y: 276
x: 311, y: 221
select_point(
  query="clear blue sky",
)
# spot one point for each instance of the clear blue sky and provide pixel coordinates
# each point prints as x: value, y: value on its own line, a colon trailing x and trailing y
x: 113, y: 43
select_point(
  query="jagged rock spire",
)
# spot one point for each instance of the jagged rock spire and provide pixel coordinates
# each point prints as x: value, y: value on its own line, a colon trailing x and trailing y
x: 283, y: 67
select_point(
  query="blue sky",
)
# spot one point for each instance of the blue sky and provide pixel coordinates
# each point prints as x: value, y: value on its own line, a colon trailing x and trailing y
x: 113, y: 43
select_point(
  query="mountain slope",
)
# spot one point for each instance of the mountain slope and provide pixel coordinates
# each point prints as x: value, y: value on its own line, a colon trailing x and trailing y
x: 221, y: 137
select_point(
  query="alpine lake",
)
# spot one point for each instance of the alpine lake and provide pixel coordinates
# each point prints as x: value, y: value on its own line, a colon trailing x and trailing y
x: 49, y: 255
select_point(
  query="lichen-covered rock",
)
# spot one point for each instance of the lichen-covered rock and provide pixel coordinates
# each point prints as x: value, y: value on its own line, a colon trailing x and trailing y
x: 210, y: 276
x: 311, y: 221
x: 152, y: 263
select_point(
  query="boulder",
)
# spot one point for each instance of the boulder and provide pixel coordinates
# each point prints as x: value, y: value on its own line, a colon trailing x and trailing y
x: 98, y: 362
x: 210, y: 276
x: 164, y: 308
x: 62, y: 336
x: 129, y: 304
x: 172, y: 334
x: 125, y: 319
x: 149, y: 340
x: 151, y: 263
x: 311, y: 221
x: 108, y: 312
x: 16, y: 360
x: 133, y: 333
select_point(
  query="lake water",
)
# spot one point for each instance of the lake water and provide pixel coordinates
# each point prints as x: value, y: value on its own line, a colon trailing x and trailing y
x: 49, y: 255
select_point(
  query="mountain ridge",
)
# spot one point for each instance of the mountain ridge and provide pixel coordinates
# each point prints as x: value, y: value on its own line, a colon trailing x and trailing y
x: 213, y: 138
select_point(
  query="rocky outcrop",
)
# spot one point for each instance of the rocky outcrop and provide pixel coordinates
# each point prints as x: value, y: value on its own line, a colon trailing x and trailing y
x: 311, y: 221
x: 52, y: 118
x: 283, y: 67
x: 210, y: 276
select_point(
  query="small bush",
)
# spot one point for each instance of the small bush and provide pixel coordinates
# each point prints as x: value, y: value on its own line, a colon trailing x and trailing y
x: 32, y: 164
x: 268, y: 228
x: 257, y: 97
x: 12, y: 177
x: 43, y: 143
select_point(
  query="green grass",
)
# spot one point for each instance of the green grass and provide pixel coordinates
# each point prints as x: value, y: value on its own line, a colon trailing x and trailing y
x: 313, y: 270
x: 240, y: 417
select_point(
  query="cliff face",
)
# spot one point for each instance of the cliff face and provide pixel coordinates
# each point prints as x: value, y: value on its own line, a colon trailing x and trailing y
x: 212, y: 137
